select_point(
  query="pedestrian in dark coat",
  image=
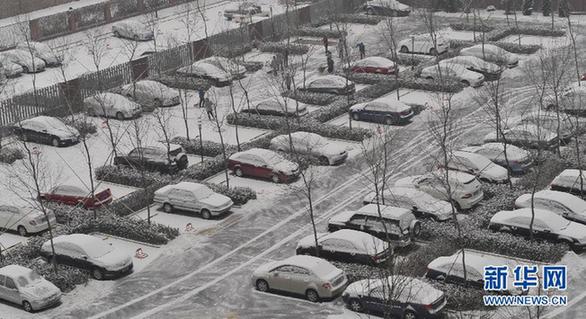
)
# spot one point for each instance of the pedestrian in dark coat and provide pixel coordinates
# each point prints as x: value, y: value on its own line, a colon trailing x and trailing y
x: 209, y: 105
x: 202, y: 95
x: 362, y: 49
x: 330, y: 65
x: 325, y: 42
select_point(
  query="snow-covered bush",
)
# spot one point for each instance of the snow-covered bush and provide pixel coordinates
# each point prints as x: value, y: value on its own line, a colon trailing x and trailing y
x: 310, y: 97
x: 10, y: 155
x: 368, y: 78
x: 502, y: 33
x: 508, y: 46
x: 306, y: 31
x: 252, y: 66
x: 466, y: 26
x: 239, y: 195
x: 279, y: 47
x: 332, y: 110
x: 183, y: 82
x: 551, y: 167
x: 130, y: 176
x: 84, y: 127
x: 357, y: 18
x: 232, y: 51
x: 193, y: 146
x: 377, y: 90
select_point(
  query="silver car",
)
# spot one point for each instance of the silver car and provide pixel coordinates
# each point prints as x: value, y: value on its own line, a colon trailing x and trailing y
x: 312, y: 277
x: 41, y: 51
x: 193, y: 197
x: 310, y: 143
x: 25, y: 287
x: 25, y: 220
x: 151, y: 94
x: 132, y: 29
x: 111, y: 105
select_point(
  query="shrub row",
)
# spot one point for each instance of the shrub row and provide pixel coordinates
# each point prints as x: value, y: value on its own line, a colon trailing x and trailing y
x: 10, y: 155
x: 183, y: 82
x: 232, y: 51
x: 279, y: 47
x: 508, y: 46
x: 464, y: 26
x: 307, y: 31
x: 499, y: 34
x: 84, y: 127
x: 357, y: 18
x: 310, y: 97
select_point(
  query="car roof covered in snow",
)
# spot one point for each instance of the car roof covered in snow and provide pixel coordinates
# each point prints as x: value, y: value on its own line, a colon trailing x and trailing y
x: 389, y: 212
x: 47, y: 121
x: 572, y: 202
x: 189, y: 186
x: 569, y: 178
x: 359, y: 239
x: 15, y: 271
x: 552, y: 219
x: 331, y: 78
x: 391, y: 4
x: 261, y: 152
x: 405, y: 289
x: 487, y: 48
x: 110, y: 97
x: 375, y: 61
x: 317, y: 265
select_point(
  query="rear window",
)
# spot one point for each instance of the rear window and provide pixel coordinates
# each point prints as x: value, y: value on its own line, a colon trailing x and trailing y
x: 323, y: 269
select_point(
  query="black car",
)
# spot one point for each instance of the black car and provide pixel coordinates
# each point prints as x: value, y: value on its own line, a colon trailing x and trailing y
x: 154, y: 159
x: 46, y: 130
x: 384, y: 111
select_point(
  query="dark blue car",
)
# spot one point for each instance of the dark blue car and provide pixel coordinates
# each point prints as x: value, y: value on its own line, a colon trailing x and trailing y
x: 386, y: 111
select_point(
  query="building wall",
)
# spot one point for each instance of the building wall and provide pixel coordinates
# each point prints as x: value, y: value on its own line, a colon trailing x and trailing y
x: 10, y: 8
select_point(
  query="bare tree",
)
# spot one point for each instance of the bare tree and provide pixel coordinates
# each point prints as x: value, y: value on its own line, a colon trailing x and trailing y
x: 218, y: 120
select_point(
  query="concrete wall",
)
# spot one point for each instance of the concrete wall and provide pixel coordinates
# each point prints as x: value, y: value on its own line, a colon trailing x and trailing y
x: 10, y: 35
x: 10, y: 8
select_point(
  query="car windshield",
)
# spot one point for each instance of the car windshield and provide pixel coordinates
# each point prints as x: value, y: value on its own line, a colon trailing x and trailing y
x: 100, y: 250
x: 30, y: 279
x: 273, y: 159
x: 204, y: 192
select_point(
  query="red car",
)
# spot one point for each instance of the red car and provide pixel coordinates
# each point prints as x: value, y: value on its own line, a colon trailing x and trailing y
x: 583, y: 77
x: 263, y: 163
x: 73, y: 195
x: 374, y: 64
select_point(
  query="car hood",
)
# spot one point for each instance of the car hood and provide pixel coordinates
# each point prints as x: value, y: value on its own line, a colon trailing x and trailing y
x: 40, y: 289
x: 217, y: 200
x: 494, y: 172
x: 114, y: 260
x: 575, y: 230
x: 286, y: 167
x: 309, y: 240
x: 63, y: 132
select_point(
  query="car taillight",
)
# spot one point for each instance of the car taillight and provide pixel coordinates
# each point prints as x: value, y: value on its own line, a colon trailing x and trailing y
x: 327, y: 285
x: 467, y: 195
x: 428, y: 307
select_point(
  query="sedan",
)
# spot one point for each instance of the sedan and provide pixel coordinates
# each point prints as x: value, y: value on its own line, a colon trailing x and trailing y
x: 155, y: 158
x: 261, y: 163
x: 571, y: 100
x: 478, y: 165
x: 569, y: 181
x: 309, y: 276
x: 391, y: 8
x: 192, y: 197
x: 455, y: 72
x: 236, y: 70
x: 382, y: 110
x: 47, y: 130
x: 330, y: 84
x: 88, y: 252
x: 151, y: 94
x: 74, y: 195
x: 374, y: 64
x: 111, y: 105
x: 25, y: 287
x: 546, y: 225
x: 568, y: 127
x: 132, y: 29
x: 421, y: 203
x: 396, y: 296
x: 328, y: 152
x: 9, y: 68
x: 41, y: 51
x: 517, y: 160
x: 492, y: 53
x: 525, y: 135
x: 25, y: 220
x: 490, y: 71
x: 567, y: 205
x: 28, y: 62
x: 278, y: 106
x: 424, y: 44
x: 206, y: 71
x: 348, y: 246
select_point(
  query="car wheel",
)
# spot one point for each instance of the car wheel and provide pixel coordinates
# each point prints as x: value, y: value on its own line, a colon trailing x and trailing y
x: 370, y: 11
x: 550, y: 107
x: 457, y: 206
x: 324, y: 160
x: 27, y: 306
x: 416, y: 231
x: 238, y: 172
x: 116, y: 33
x: 22, y: 231
x: 275, y: 179
x: 389, y: 120
x: 355, y: 305
x: 355, y: 116
x: 404, y: 49
x: 205, y: 214
x: 262, y: 285
x: 312, y: 295
x: 168, y: 208
x: 55, y: 141
x: 119, y: 116
x: 409, y: 315
x: 466, y: 83
x: 98, y: 274
x: 433, y: 51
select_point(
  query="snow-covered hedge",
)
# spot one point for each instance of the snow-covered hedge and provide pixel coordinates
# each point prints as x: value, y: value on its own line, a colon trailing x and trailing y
x: 368, y: 78
x: 279, y: 47
x: 183, y: 82
x: 84, y: 127
x: 349, y: 18
x: 499, y: 34
x: 10, y: 155
x: 333, y: 110
x: 551, y: 167
x: 310, y: 97
x: 239, y: 195
x: 232, y: 51
x: 464, y: 26
x: 509, y: 46
x: 306, y: 31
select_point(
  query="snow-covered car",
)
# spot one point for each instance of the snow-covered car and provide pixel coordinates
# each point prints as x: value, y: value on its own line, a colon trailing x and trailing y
x: 113, y: 105
x: 455, y: 72
x: 525, y: 135
x: 25, y: 220
x: 517, y: 160
x: 382, y: 110
x: 392, y: 8
x: 328, y: 152
x: 398, y: 225
x: 309, y: 276
x: 75, y: 195
x: 132, y: 29
x: 466, y: 189
x: 25, y: 287
x: 278, y: 106
x: 346, y: 245
x: 374, y: 64
x: 569, y: 181
x: 236, y: 70
x: 41, y: 51
x: 330, y: 84
x: 567, y: 205
x: 155, y: 158
x: 88, y: 252
x: 47, y: 130
x: 151, y: 94
x: 492, y: 53
x: 243, y: 8
x: 490, y: 71
x: 9, y: 68
x: 206, y: 71
x: 478, y: 165
x: 546, y: 225
x: 28, y: 62
x: 572, y: 100
x: 549, y: 121
x: 193, y: 197
x: 397, y: 296
x: 424, y: 44
x: 421, y: 203
x: 261, y: 163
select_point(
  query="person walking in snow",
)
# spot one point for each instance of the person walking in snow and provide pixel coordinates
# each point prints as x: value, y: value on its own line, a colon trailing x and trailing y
x: 209, y: 105
x: 330, y: 64
x: 202, y: 95
x: 325, y: 42
x: 275, y: 65
x: 362, y: 49
x: 341, y: 48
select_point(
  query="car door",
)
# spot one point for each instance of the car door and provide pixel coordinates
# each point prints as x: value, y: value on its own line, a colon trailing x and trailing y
x: 178, y: 198
x: 356, y: 222
x: 5, y: 216
x: 8, y: 290
x: 374, y: 301
x: 192, y: 201
x: 135, y: 158
x: 279, y: 278
x: 299, y: 280
x: 248, y: 164
x: 380, y: 228
x: 79, y: 257
x: 262, y: 168
x: 36, y: 133
x: 330, y: 249
x: 368, y: 113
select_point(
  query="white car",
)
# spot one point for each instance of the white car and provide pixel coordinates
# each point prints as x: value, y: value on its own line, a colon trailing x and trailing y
x: 310, y: 143
x: 25, y: 287
x: 567, y: 205
x: 41, y: 51
x: 525, y: 135
x: 88, y: 252
x: 382, y: 110
x: 206, y: 71
x: 193, y: 197
x: 549, y: 121
x: 478, y: 165
x: 330, y: 84
x: 132, y: 29
x: 278, y: 106
x: 517, y: 160
x: 47, y: 130
x: 572, y: 100
x: 151, y: 94
x: 28, y: 62
x: 569, y: 181
x: 492, y: 53
x: 421, y: 203
x: 25, y: 220
x: 9, y: 68
x: 111, y: 105
x: 309, y: 276
x: 424, y: 44
x: 456, y: 72
x: 466, y: 189
x: 490, y: 71
x: 226, y: 65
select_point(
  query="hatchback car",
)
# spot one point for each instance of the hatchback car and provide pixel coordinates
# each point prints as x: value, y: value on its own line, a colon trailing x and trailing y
x: 111, y: 105
x: 47, y: 130
x: 75, y: 195
x: 374, y: 64
x: 261, y: 163
x: 567, y: 205
x: 491, y: 53
x: 41, y: 51
x: 392, y: 8
x: 155, y: 158
x: 478, y: 165
x: 278, y: 106
x: 490, y: 71
x: 421, y: 203
x: 525, y: 135
x: 25, y: 287
x: 546, y: 225
x: 424, y: 44
x: 25, y: 220
x: 309, y: 276
x: 132, y: 29
x: 150, y: 94
x: 517, y: 160
x: 396, y: 296
x: 455, y: 72
x: 328, y: 152
x: 569, y: 181
x: 206, y: 71
x: 29, y: 64
x: 192, y: 197
x: 333, y: 84
x: 397, y: 225
x: 382, y: 110
x: 348, y: 246
x: 466, y: 189
x: 88, y: 252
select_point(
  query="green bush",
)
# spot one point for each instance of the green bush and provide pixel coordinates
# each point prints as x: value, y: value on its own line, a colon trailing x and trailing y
x: 508, y: 46
x: 183, y: 82
x: 306, y: 31
x: 239, y: 195
x: 311, y: 98
x: 10, y: 155
x: 84, y: 127
x: 279, y: 47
